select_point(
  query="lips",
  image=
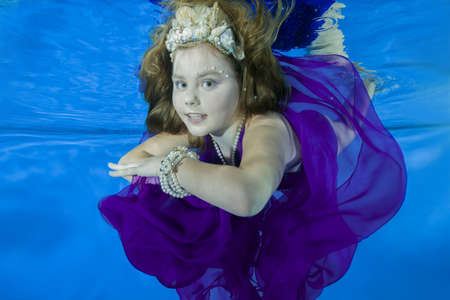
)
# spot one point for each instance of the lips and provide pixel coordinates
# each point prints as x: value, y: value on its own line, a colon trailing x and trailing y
x: 196, y: 116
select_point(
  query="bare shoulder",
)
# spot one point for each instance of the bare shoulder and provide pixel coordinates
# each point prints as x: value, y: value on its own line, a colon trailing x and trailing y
x: 279, y: 128
x: 271, y: 121
x: 270, y: 118
x: 267, y: 131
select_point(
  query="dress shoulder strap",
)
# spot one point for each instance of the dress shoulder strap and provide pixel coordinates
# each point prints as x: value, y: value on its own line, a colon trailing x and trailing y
x: 239, y: 146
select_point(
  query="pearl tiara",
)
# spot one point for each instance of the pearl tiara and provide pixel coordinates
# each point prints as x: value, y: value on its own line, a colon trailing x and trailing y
x: 201, y: 23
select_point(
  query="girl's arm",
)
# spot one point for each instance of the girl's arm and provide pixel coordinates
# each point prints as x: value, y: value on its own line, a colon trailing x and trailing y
x: 157, y: 145
x: 244, y: 190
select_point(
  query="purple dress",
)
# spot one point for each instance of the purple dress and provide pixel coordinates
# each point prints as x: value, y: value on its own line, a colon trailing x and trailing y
x: 305, y: 237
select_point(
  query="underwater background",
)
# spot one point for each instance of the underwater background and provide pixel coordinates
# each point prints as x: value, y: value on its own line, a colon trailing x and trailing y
x: 69, y: 103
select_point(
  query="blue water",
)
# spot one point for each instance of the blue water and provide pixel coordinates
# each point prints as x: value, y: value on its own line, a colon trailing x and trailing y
x: 70, y: 103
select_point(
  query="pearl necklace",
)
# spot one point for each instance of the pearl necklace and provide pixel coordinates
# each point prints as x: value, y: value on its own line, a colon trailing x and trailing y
x: 236, y: 140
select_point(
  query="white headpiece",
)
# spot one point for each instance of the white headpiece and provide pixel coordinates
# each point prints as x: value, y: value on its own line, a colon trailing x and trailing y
x: 200, y: 23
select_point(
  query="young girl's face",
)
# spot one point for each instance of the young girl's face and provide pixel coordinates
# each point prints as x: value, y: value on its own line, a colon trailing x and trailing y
x: 205, y: 90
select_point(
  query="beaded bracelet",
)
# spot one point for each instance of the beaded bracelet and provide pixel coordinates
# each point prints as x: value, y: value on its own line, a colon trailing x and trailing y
x: 167, y: 178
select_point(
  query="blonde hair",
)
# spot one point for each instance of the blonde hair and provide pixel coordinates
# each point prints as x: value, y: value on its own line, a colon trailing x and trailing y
x: 263, y: 84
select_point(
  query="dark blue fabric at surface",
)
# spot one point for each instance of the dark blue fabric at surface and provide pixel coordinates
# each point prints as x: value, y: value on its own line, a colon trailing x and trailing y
x: 301, y: 20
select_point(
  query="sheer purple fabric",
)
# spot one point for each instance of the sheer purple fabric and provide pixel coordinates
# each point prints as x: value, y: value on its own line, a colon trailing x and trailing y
x: 351, y: 182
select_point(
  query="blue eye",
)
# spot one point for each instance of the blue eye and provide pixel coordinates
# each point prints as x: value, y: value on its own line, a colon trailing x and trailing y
x: 209, y: 83
x: 179, y: 84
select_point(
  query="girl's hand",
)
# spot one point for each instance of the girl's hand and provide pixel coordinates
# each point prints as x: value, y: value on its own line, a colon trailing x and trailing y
x: 147, y: 167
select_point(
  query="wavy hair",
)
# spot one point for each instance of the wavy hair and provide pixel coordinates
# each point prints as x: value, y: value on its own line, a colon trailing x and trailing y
x: 264, y: 86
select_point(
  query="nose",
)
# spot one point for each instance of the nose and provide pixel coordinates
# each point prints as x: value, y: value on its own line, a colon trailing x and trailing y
x: 191, y: 100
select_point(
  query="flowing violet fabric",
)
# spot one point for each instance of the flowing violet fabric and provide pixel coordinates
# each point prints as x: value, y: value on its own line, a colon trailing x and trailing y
x: 351, y: 182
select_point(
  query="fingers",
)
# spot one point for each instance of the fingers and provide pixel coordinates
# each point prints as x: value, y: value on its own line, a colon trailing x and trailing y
x: 122, y: 166
x: 122, y: 170
x: 147, y: 167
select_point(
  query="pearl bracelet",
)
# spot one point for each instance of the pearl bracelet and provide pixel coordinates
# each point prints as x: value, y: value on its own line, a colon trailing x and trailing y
x: 167, y: 178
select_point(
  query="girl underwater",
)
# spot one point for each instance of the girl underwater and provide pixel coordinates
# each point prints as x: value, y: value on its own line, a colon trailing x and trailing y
x: 259, y: 173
